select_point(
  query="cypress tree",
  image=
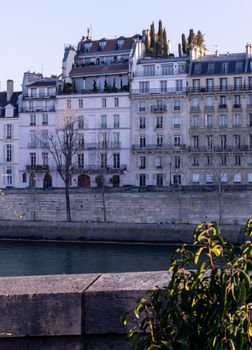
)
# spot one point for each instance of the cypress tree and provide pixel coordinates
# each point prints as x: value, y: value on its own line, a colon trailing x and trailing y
x: 152, y: 36
x: 179, y: 50
x: 191, y: 38
x: 184, y: 44
x: 200, y: 39
x: 147, y: 40
x: 160, y: 32
x: 165, y: 44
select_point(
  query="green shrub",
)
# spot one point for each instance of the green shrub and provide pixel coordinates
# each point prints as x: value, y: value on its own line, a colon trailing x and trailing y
x: 207, y: 303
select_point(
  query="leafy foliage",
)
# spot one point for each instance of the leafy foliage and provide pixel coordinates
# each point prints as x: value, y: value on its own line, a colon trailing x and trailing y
x: 207, y: 304
x: 192, y: 39
x: 156, y: 44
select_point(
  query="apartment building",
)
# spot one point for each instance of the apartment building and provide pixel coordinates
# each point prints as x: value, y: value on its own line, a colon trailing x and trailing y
x: 220, y: 119
x: 9, y: 136
x: 159, y: 122
x: 37, y: 120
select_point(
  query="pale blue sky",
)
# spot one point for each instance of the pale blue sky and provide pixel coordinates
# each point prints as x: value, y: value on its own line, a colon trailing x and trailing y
x: 33, y: 33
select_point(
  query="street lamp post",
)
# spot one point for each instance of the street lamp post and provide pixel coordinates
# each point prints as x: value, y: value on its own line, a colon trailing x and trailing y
x: 170, y: 164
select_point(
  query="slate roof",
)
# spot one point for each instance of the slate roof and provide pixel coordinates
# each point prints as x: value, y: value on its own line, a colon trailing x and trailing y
x: 43, y: 83
x: 13, y: 101
x: 212, y: 64
x: 100, y: 70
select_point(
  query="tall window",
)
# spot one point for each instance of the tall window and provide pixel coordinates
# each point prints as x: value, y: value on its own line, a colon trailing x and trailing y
x: 116, y: 160
x: 167, y: 69
x: 142, y: 180
x: 159, y: 180
x: 9, y: 131
x: 104, y: 102
x: 149, y: 70
x: 32, y: 119
x: 69, y: 104
x: 142, y: 141
x: 142, y: 162
x: 8, y: 153
x: 159, y: 122
x: 176, y: 121
x: 116, y: 121
x: 103, y: 160
x: 103, y: 121
x: 142, y: 122
x: 80, y: 103
x: 81, y: 161
x: 223, y: 84
x: 195, y: 141
x: 196, y: 85
x: 159, y: 140
x: 210, y: 84
x: 33, y: 159
x: 116, y: 139
x: 209, y: 142
x: 236, y: 121
x: 176, y: 140
x: 44, y: 135
x: 177, y: 162
x: 223, y: 121
x: 45, y: 158
x: 44, y: 119
x: 144, y: 86
x: 195, y: 121
x: 116, y: 102
x: 80, y: 122
x: 163, y: 85
x: 9, y: 176
x: 209, y: 121
x: 237, y: 83
x: 237, y: 141
x: 179, y: 85
x: 141, y: 105
x: 223, y: 141
x: 81, y: 141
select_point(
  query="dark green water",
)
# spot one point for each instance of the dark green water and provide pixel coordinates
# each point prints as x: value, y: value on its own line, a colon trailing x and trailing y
x: 19, y: 258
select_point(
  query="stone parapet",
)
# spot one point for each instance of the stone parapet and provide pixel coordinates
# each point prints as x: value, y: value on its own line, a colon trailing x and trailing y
x: 70, y: 312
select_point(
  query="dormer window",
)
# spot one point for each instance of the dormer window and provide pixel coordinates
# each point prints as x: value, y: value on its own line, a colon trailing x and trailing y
x: 102, y: 44
x: 88, y: 46
x: 197, y: 69
x: 238, y: 67
x: 224, y: 68
x: 120, y: 43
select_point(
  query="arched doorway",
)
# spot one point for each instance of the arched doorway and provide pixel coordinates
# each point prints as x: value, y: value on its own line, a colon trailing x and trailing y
x: 83, y: 180
x: 47, y: 182
x: 32, y: 181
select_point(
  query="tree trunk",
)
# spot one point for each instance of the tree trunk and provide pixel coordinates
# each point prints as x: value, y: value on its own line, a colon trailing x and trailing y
x: 104, y: 202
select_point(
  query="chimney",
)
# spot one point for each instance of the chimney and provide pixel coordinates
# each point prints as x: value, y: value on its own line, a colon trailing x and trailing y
x: 10, y: 86
x: 249, y: 50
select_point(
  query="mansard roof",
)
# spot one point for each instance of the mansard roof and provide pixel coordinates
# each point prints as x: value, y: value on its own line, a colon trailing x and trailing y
x: 13, y: 101
x: 111, y: 44
x: 43, y: 82
x: 220, y: 64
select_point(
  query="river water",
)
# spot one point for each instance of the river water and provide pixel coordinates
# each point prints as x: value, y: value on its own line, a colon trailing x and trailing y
x: 20, y: 258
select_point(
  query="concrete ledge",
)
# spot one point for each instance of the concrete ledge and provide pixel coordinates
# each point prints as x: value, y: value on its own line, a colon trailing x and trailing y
x: 70, y: 311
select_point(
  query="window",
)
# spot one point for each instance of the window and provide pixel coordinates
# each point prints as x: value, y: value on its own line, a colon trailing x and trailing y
x: 8, y: 153
x: 104, y: 102
x: 163, y: 85
x: 238, y: 67
x: 33, y: 92
x: 223, y: 121
x: 80, y: 122
x: 249, y: 178
x: 176, y: 122
x: 250, y: 120
x: 159, y: 122
x: 116, y: 160
x: 176, y: 140
x: 159, y: 162
x: 223, y: 160
x: 209, y: 120
x: 144, y: 86
x: 209, y: 142
x: 103, y: 121
x: 116, y: 121
x: 179, y: 85
x: 209, y: 178
x: 196, y: 85
x: 44, y: 119
x: 103, y: 140
x: 210, y: 68
x: 69, y: 104
x: 81, y: 161
x: 33, y: 159
x: 223, y: 84
x: 223, y: 101
x: 237, y: 83
x: 236, y: 121
x: 195, y: 178
x: 197, y: 69
x: 195, y: 141
x: 237, y: 160
x: 209, y: 102
x: 224, y: 68
x: 159, y: 180
x: 142, y: 141
x: 167, y: 69
x: 9, y: 176
x: 159, y: 140
x: 177, y: 179
x: 223, y: 178
x: 103, y: 160
x: 195, y: 121
x: 116, y: 102
x: 81, y: 142
x: 177, y: 105
x: 24, y: 178
x: 32, y: 119
x: 237, y: 178
x: 223, y: 142
x: 177, y: 162
x: 195, y: 161
x: 44, y: 135
x: 195, y: 103
x: 142, y: 180
x: 250, y: 99
x: 141, y: 106
x: 45, y: 158
x: 149, y: 70
x: 9, y: 131
x: 142, y: 122
x: 209, y: 160
x: 80, y: 103
x: 142, y: 164
x: 237, y: 101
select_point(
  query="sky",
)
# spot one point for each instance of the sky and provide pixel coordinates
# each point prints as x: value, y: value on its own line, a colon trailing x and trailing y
x: 34, y: 33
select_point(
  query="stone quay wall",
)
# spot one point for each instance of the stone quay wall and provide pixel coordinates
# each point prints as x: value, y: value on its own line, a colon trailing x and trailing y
x: 132, y: 206
x: 70, y: 312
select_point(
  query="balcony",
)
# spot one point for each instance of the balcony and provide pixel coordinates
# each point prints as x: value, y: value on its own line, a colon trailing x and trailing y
x: 195, y: 109
x: 176, y: 108
x: 37, y: 168
x: 219, y: 149
x: 209, y: 108
x: 97, y: 169
x: 37, y: 109
x: 40, y: 96
x: 237, y: 106
x: 155, y: 147
x: 158, y: 109
x: 222, y: 106
x: 160, y: 91
x: 100, y: 145
x: 220, y: 88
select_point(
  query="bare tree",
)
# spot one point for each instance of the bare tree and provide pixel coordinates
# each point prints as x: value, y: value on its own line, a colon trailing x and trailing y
x: 63, y: 145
